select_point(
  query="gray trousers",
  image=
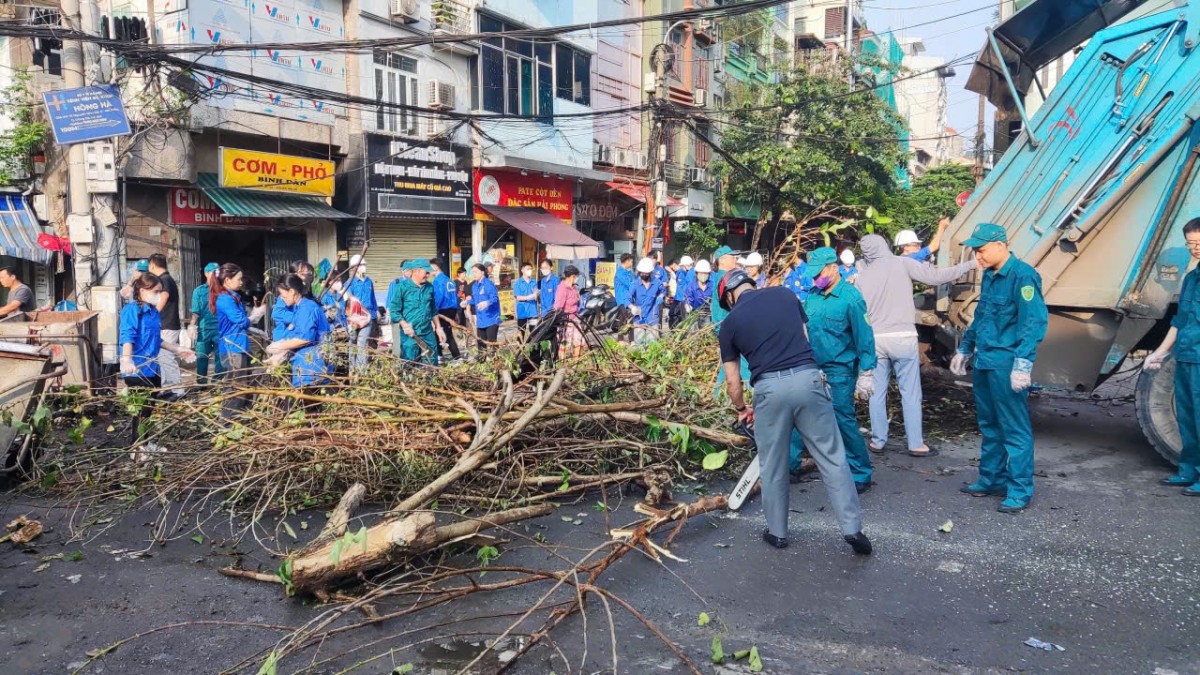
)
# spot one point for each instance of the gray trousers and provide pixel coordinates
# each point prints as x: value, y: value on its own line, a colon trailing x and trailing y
x: 902, y: 355
x: 800, y: 400
x: 168, y: 364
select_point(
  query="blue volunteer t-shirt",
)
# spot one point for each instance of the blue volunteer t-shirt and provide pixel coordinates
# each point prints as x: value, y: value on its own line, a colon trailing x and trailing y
x: 141, y: 326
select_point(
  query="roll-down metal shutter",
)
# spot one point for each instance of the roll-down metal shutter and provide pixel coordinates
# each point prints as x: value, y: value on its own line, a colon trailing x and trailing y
x: 393, y: 242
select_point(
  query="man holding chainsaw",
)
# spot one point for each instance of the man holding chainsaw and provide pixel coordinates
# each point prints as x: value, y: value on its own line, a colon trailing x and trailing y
x: 767, y: 327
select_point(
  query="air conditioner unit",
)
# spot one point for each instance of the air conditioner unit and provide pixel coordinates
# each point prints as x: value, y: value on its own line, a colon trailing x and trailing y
x: 641, y: 160
x: 603, y: 154
x: 406, y: 9
x: 622, y: 157
x: 697, y: 174
x: 700, y: 98
x: 441, y: 95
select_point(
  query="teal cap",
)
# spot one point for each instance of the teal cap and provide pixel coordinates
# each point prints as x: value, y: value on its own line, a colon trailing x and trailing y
x: 724, y: 250
x: 211, y: 267
x: 418, y: 264
x: 986, y: 233
x: 818, y: 259
x: 142, y: 266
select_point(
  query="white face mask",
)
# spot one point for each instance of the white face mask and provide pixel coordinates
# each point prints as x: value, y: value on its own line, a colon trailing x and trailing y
x: 151, y: 298
x: 527, y: 273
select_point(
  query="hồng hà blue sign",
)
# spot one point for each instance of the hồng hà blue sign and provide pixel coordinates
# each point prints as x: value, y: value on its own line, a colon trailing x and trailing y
x: 86, y: 114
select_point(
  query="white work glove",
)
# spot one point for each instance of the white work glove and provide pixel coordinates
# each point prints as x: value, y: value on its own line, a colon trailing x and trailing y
x: 258, y: 313
x: 635, y: 310
x: 864, y: 388
x: 193, y: 334
x: 186, y: 355
x: 687, y: 307
x: 408, y: 329
x: 959, y: 365
x: 1154, y: 361
x: 1020, y: 381
x: 277, y: 359
x: 127, y: 366
x: 275, y: 348
x: 533, y: 322
x: 483, y: 304
x: 1021, y: 376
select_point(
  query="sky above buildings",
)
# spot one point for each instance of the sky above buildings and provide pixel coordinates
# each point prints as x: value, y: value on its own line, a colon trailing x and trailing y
x: 951, y: 29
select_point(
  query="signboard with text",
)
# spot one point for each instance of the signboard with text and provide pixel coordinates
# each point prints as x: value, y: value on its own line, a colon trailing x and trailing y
x: 191, y: 207
x: 418, y: 178
x: 503, y: 188
x: 606, y: 273
x: 275, y: 173
x: 86, y: 114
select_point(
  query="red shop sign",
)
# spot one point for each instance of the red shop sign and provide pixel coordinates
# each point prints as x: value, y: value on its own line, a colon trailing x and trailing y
x: 190, y: 206
x: 501, y: 188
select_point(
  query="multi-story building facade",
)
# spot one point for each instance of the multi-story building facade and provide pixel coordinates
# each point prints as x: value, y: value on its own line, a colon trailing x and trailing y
x: 921, y: 99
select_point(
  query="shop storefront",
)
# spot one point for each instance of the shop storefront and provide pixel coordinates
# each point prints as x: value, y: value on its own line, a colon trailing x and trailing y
x: 260, y: 211
x: 31, y: 252
x: 524, y: 216
x: 412, y: 194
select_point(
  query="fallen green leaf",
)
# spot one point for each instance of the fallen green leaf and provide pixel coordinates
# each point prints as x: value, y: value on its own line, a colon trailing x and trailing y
x: 718, y: 654
x: 741, y: 654
x: 755, y: 662
x: 402, y: 669
x: 703, y: 619
x: 199, y: 539
x: 715, y: 460
x: 946, y: 526
x: 288, y: 528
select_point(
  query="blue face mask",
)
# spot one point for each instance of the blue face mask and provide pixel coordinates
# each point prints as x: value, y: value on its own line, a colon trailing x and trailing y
x: 823, y: 283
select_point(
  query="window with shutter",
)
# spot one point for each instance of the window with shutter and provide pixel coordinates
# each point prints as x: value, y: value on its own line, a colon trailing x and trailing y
x: 835, y: 22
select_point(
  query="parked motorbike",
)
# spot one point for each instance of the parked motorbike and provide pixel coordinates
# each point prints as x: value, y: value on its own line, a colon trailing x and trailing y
x: 600, y: 310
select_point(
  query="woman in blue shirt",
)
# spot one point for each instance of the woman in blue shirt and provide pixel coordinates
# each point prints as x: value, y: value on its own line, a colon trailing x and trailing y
x: 140, y: 336
x: 233, y: 326
x: 486, y: 301
x: 299, y: 340
x: 525, y: 292
x: 362, y: 289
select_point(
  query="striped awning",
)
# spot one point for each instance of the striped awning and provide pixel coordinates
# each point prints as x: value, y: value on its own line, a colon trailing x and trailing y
x: 19, y: 230
x: 262, y: 204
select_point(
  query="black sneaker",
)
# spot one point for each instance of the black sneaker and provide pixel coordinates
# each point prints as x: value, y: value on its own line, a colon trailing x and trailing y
x: 859, y: 543
x: 777, y: 542
x: 863, y: 486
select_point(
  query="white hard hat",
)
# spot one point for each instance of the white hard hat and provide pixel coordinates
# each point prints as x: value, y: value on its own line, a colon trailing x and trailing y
x: 906, y: 237
x: 645, y: 266
x: 847, y: 257
x: 703, y: 267
x: 686, y: 260
x: 356, y: 260
x: 754, y: 259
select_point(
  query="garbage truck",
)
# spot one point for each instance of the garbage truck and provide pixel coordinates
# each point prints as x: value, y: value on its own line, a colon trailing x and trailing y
x: 1094, y: 192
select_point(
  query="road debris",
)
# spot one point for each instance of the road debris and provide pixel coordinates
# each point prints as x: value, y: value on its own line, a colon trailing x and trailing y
x: 22, y: 530
x: 947, y: 527
x: 1044, y: 646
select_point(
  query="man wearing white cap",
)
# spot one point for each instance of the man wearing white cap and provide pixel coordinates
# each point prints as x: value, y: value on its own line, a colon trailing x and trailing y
x: 910, y: 244
x: 753, y: 264
x: 683, y: 278
x: 848, y: 269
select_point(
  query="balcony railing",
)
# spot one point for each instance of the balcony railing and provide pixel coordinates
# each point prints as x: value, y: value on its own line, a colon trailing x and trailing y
x: 451, y: 16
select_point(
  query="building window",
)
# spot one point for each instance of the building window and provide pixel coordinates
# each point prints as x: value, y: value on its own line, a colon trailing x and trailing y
x: 47, y: 52
x: 574, y: 76
x: 395, y: 84
x: 701, y: 67
x: 519, y: 77
x: 703, y: 149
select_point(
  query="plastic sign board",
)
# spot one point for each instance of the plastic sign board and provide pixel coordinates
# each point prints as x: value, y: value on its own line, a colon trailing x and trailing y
x: 606, y: 273
x: 275, y: 173
x: 962, y: 198
x: 86, y: 114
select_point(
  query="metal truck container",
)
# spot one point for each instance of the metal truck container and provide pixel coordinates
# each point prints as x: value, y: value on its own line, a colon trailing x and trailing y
x: 71, y: 337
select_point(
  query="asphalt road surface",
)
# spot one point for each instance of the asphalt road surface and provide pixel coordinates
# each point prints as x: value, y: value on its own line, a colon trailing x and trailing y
x: 1106, y: 564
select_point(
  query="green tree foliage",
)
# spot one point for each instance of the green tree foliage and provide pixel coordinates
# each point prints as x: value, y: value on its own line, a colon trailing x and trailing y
x: 813, y: 141
x: 699, y: 241
x: 931, y: 197
x: 23, y: 134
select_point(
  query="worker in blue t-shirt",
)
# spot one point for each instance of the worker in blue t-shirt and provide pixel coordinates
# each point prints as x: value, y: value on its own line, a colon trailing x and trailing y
x: 525, y: 293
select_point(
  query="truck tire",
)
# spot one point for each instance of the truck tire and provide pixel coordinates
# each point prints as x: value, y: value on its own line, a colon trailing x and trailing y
x: 1155, y: 404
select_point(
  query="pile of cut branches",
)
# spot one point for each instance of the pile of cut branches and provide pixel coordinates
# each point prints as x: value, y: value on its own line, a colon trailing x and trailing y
x: 615, y: 415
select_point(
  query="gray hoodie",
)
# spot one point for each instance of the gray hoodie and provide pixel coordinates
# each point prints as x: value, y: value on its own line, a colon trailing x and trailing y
x: 886, y: 280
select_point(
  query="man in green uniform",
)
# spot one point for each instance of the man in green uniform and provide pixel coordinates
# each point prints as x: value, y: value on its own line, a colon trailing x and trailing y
x: 1009, y: 324
x: 844, y: 345
x: 203, y: 328
x: 1184, y: 339
x: 413, y: 311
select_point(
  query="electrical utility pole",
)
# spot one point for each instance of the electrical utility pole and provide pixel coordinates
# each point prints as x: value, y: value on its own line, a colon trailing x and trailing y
x: 980, y: 142
x: 656, y: 197
x: 848, y: 39
x: 79, y: 202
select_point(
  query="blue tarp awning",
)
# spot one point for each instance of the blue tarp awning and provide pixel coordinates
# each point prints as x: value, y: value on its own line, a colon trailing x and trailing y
x: 1042, y: 31
x: 19, y: 231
